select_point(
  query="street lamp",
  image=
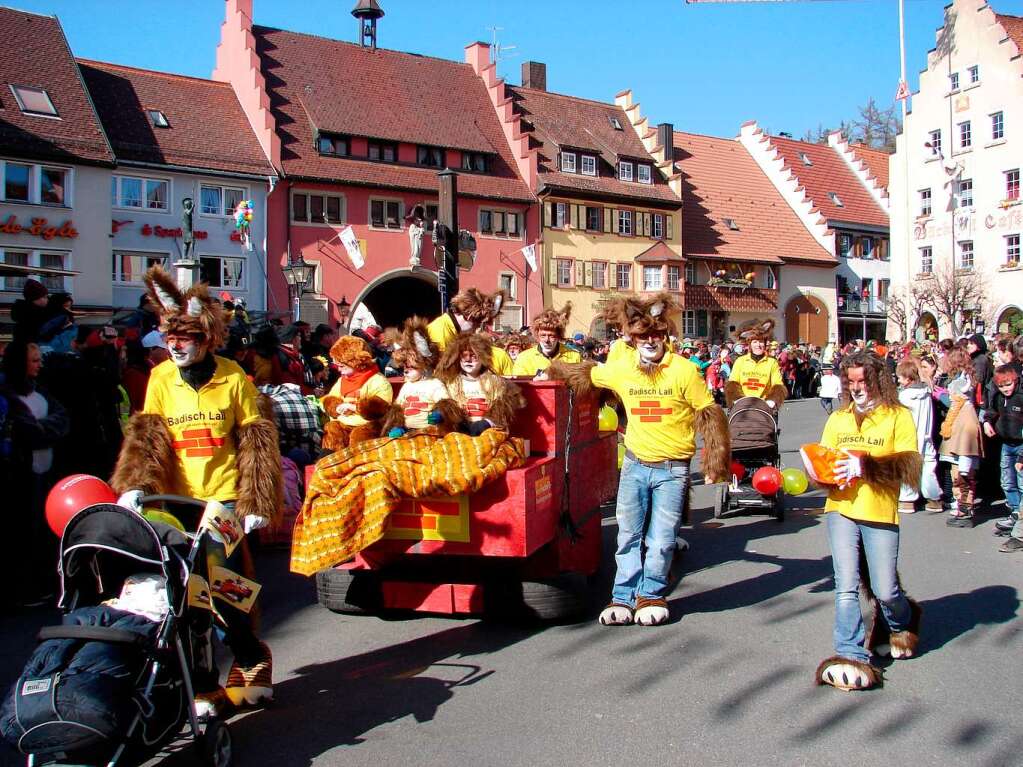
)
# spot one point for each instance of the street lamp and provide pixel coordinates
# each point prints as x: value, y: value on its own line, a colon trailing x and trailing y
x: 297, y: 274
x: 344, y: 310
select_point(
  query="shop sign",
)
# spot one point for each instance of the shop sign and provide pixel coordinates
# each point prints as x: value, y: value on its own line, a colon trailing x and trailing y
x: 40, y: 227
x: 159, y: 231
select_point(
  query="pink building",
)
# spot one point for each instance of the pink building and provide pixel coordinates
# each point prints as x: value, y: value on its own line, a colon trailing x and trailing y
x: 358, y: 136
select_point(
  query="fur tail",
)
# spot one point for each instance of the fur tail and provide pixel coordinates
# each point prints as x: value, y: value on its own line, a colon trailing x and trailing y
x: 894, y: 470
x: 147, y: 461
x: 712, y: 425
x: 733, y: 391
x: 777, y: 395
x: 372, y: 408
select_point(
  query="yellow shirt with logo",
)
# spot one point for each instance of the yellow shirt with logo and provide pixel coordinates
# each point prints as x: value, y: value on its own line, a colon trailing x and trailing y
x: 661, y: 407
x: 620, y: 349
x: 442, y: 330
x: 503, y: 364
x: 375, y: 386
x: 532, y: 360
x: 885, y: 431
x: 756, y: 377
x: 202, y: 425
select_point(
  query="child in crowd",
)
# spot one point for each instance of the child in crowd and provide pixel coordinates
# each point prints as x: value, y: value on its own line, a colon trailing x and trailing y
x: 915, y: 395
x: 961, y: 446
x: 830, y: 388
x: 1004, y: 417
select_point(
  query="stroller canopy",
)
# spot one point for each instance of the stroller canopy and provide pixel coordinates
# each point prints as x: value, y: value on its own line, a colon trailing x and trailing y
x: 752, y: 425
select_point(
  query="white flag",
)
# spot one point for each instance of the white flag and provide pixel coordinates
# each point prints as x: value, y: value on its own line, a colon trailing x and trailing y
x: 351, y: 243
x: 529, y: 253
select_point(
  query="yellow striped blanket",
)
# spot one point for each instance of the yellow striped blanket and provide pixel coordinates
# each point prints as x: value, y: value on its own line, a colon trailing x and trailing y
x: 352, y: 492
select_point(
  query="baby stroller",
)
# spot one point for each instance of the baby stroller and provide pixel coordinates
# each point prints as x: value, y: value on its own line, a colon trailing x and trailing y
x: 753, y: 431
x: 113, y: 683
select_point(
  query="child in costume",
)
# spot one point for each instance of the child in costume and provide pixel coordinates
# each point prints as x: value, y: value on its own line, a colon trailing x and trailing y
x: 1004, y: 418
x: 548, y: 330
x: 469, y: 311
x: 515, y: 344
x: 668, y: 403
x: 962, y: 446
x: 877, y: 436
x: 201, y: 433
x: 467, y: 370
x: 359, y: 399
x: 756, y: 374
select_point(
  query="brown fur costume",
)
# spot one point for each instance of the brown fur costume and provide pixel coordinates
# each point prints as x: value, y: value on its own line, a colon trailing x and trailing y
x: 872, y: 674
x: 521, y: 340
x: 414, y: 350
x: 504, y: 397
x: 552, y: 320
x: 638, y: 315
x: 755, y: 330
x: 352, y: 352
x: 476, y: 306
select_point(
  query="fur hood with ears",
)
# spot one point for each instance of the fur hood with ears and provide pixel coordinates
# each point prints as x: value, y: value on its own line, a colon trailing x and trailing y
x: 352, y: 352
x: 478, y: 307
x: 637, y: 315
x: 552, y: 320
x: 449, y: 368
x: 191, y: 312
x: 414, y: 349
x: 752, y: 330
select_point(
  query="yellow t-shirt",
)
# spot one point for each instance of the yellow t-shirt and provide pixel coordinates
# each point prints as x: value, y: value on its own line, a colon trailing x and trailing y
x: 883, y: 432
x: 202, y: 425
x: 532, y: 360
x: 442, y: 330
x: 756, y: 378
x: 661, y: 407
x: 620, y: 349
x: 376, y: 386
x: 503, y: 364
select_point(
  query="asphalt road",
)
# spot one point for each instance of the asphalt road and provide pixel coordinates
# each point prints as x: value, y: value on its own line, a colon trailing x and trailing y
x: 728, y: 682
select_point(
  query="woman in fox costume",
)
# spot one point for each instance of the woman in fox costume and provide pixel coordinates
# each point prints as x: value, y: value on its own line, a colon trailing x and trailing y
x: 467, y: 370
x: 196, y: 396
x: 756, y: 373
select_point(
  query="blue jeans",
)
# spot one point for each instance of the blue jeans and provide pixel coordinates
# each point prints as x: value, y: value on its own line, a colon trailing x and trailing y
x: 1012, y: 480
x: 649, y: 513
x: 881, y: 545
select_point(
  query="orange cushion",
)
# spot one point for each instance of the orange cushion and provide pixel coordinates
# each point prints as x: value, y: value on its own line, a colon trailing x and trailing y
x: 819, y: 462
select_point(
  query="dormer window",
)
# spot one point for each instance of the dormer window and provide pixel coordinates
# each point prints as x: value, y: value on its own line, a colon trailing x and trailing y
x: 568, y: 162
x: 806, y: 159
x: 384, y: 151
x: 625, y: 171
x: 34, y: 101
x: 476, y: 161
x: 588, y: 163
x: 643, y: 174
x: 333, y: 146
x: 615, y: 122
x: 430, y: 156
x: 157, y: 118
x: 836, y: 199
x: 731, y: 224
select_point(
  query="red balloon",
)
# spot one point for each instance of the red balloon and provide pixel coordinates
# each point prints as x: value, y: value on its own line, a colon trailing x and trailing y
x: 71, y: 495
x: 767, y: 480
x: 738, y: 470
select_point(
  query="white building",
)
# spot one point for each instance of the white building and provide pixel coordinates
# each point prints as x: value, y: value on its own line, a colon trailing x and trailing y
x: 955, y: 174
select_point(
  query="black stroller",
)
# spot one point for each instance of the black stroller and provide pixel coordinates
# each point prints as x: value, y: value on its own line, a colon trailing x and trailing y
x: 753, y: 431
x: 110, y: 686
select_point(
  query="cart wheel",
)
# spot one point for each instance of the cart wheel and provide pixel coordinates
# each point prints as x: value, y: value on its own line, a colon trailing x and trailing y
x: 349, y: 592
x: 215, y: 744
x: 554, y: 599
x: 720, y: 500
x: 779, y: 506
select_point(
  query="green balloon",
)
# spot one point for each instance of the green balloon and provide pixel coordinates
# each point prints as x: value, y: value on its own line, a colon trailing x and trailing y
x: 607, y: 419
x: 155, y: 515
x: 621, y: 455
x: 794, y: 481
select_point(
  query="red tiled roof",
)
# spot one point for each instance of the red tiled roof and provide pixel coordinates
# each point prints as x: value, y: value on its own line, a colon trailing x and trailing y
x: 315, y: 83
x: 721, y: 180
x: 658, y: 253
x: 208, y: 129
x: 876, y: 160
x: 568, y: 122
x: 1013, y: 26
x: 829, y: 173
x: 35, y: 53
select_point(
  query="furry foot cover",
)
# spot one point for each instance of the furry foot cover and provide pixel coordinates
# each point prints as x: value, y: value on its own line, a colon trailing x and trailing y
x: 847, y: 674
x: 335, y: 436
x: 712, y: 425
x: 212, y: 705
x: 651, y: 612
x: 615, y: 615
x: 251, y: 685
x: 904, y: 643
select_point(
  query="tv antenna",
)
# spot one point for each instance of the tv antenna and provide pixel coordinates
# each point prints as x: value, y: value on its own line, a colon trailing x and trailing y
x: 499, y: 52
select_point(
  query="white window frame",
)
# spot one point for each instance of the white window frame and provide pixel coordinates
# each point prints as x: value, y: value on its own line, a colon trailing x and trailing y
x: 560, y: 215
x: 676, y: 284
x: 770, y: 281
x: 34, y: 259
x: 512, y: 290
x: 966, y: 247
x: 504, y: 213
x: 568, y: 164
x: 118, y: 179
x: 243, y: 285
x: 588, y: 164
x: 385, y: 227
x: 624, y: 165
x: 689, y: 273
x: 657, y: 228
x: 223, y: 210
x: 689, y: 322
x: 565, y: 267
x: 625, y: 223
x: 55, y: 115
x: 926, y: 202
x: 599, y: 267
x: 965, y: 135
x: 653, y: 277
x: 953, y: 82
x: 934, y: 139
x: 1012, y: 247
x: 1006, y: 175
x: 964, y: 193
x: 642, y: 169
x: 35, y: 183
x: 309, y: 193
x: 974, y: 74
x: 997, y: 125
x: 926, y: 260
x: 117, y: 275
x: 626, y: 269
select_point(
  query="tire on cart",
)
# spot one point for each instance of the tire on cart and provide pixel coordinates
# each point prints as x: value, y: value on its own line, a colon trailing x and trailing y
x: 720, y: 500
x: 561, y: 598
x: 215, y: 744
x: 349, y: 592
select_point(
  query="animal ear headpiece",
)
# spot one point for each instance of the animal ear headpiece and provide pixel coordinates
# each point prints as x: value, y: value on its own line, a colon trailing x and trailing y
x: 192, y: 312
x: 753, y: 330
x: 553, y: 320
x: 414, y: 348
x: 637, y: 316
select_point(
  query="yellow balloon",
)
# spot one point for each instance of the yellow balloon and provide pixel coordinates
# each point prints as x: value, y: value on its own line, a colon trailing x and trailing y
x: 155, y: 515
x: 794, y: 481
x: 621, y: 455
x: 607, y: 419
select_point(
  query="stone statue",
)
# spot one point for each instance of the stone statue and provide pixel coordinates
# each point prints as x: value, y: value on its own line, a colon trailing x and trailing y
x: 187, y: 205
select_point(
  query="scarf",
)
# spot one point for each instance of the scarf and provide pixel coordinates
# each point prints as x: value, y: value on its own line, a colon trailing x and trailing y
x: 198, y: 374
x: 352, y: 383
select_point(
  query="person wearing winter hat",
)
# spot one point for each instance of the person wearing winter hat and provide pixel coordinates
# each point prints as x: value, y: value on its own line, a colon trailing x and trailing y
x: 29, y: 312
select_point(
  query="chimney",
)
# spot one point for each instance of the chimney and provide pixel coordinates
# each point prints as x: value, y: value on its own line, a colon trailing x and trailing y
x: 534, y: 75
x: 666, y: 138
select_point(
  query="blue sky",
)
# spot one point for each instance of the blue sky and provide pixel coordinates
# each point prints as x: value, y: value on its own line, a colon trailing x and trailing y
x: 705, y: 68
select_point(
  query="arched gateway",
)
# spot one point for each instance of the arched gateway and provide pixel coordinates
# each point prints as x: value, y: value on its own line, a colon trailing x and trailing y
x: 396, y: 295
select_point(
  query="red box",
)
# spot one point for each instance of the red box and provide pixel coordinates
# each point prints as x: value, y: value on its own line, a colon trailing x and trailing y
x: 544, y: 421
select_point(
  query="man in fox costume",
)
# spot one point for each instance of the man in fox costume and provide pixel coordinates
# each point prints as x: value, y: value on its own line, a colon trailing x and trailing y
x: 467, y: 370
x: 755, y: 374
x: 548, y: 330
x: 359, y: 399
x: 193, y: 398
x: 878, y: 437
x: 470, y: 310
x: 667, y: 402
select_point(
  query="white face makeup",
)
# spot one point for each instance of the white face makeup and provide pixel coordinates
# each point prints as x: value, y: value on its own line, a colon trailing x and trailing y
x: 547, y: 341
x: 857, y: 386
x: 463, y: 324
x: 470, y: 364
x: 651, y: 347
x: 184, y: 350
x: 345, y: 370
x: 412, y: 375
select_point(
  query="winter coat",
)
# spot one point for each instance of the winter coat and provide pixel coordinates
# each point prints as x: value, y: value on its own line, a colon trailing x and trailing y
x: 27, y: 318
x: 1006, y: 413
x: 917, y: 398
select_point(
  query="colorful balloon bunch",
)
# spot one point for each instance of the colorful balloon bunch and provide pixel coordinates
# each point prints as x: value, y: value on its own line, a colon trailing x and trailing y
x: 243, y: 221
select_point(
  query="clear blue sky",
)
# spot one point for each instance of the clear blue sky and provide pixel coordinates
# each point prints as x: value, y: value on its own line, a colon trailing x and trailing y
x: 705, y: 68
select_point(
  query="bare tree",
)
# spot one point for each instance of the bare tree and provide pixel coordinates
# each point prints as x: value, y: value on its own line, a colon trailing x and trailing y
x: 952, y: 291
x: 905, y: 305
x: 876, y: 127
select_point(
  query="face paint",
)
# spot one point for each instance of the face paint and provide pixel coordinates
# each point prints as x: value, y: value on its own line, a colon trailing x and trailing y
x: 463, y: 324
x: 184, y: 350
x: 345, y: 370
x: 651, y: 349
x: 412, y: 375
x: 470, y: 364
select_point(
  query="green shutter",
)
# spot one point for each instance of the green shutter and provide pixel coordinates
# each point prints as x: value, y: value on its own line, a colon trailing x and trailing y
x: 701, y: 322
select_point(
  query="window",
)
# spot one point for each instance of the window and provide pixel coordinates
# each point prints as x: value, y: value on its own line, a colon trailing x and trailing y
x: 506, y: 282
x: 599, y: 275
x: 925, y: 202
x: 560, y: 214
x: 157, y: 118
x: 867, y: 244
x: 953, y: 80
x: 499, y: 223
x: 333, y: 146
x: 625, y: 222
x: 589, y: 164
x: 926, y: 261
x: 836, y: 199
x: 643, y: 174
x: 564, y: 273
x: 17, y: 181
x: 658, y: 226
x: 673, y: 274
x: 385, y: 151
x: 222, y: 200
x: 568, y: 162
x: 845, y: 245
x: 625, y: 171
x: 689, y: 322
x: 965, y: 135
x: 934, y: 140
x: 1012, y: 184
x: 142, y: 193
x: 690, y: 273
x: 731, y: 224
x: 34, y: 101
x: 966, y: 254
x: 623, y: 276
x: 476, y: 161
x: 592, y: 219
x: 997, y: 126
x: 222, y: 272
x: 615, y: 122
x: 770, y: 280
x: 430, y: 156
x: 36, y: 184
x: 317, y: 208
x: 965, y: 193
x: 974, y: 74
x: 15, y: 258
x: 130, y: 266
x: 1012, y: 248
x: 41, y: 259
x: 653, y: 278
x: 130, y: 195
x: 385, y: 214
